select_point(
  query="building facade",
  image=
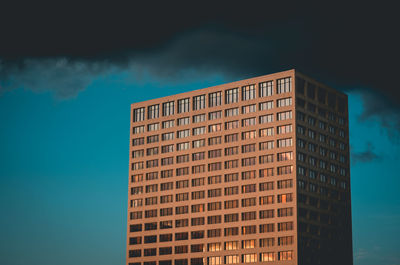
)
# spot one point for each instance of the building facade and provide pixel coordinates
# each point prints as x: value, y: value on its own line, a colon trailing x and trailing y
x: 254, y: 171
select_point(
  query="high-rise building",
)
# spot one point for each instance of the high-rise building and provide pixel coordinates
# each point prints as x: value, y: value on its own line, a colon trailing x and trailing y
x: 252, y: 171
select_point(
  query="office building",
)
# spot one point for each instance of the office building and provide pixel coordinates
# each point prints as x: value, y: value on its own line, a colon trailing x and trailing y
x: 254, y: 171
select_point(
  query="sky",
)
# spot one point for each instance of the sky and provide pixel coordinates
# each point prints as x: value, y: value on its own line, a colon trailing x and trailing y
x: 68, y: 74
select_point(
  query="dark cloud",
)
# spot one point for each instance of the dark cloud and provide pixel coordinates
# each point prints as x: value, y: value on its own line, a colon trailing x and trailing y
x: 350, y: 46
x: 365, y: 156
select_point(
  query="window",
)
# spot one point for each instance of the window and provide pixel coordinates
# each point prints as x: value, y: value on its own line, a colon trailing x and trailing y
x: 196, y: 195
x: 197, y: 182
x: 214, y: 99
x: 267, y: 228
x: 249, y: 229
x: 135, y: 215
x: 249, y: 109
x: 138, y: 129
x: 167, y: 148
x: 231, y: 95
x: 150, y: 213
x: 152, y: 139
x: 199, y: 130
x: 284, y: 212
x: 249, y: 188
x: 284, y: 129
x: 137, y: 178
x: 248, y: 243
x: 231, y: 164
x: 198, y: 169
x: 183, y: 133
x: 198, y: 156
x: 153, y: 127
x: 249, y: 122
x: 267, y: 132
x: 166, y: 198
x: 180, y: 184
x: 231, y: 204
x: 199, y: 102
x: 231, y: 112
x: 167, y: 161
x: 138, y: 153
x: 249, y: 161
x: 231, y: 138
x: 138, y: 114
x: 214, y: 166
x: 266, y: 105
x: 231, y: 125
x: 212, y: 247
x: 152, y: 163
x: 181, y: 249
x: 249, y: 202
x: 284, y: 102
x: 214, y: 115
x: 285, y: 115
x: 266, y: 159
x: 198, y: 143
x: 199, y: 118
x: 285, y: 241
x: 267, y: 256
x: 264, y: 214
x: 264, y: 186
x: 214, y: 193
x: 285, y: 226
x: 168, y: 108
x: 182, y: 146
x: 266, y: 172
x: 166, y: 211
x: 214, y: 180
x: 182, y: 159
x: 284, y: 142
x: 231, y: 245
x: 153, y: 112
x: 248, y: 148
x: 248, y: 92
x: 197, y: 248
x: 266, y: 145
x: 285, y: 255
x: 214, y: 127
x: 167, y: 136
x: 266, y: 89
x: 183, y: 105
x: 284, y: 85
x: 181, y: 223
x: 214, y: 140
x: 231, y: 190
x: 248, y: 135
x: 266, y: 118
x: 198, y: 208
x: 214, y: 260
x: 182, y: 171
x: 152, y: 151
x: 214, y: 206
x: 197, y: 234
x: 283, y: 184
x: 285, y: 156
x: 231, y: 231
x: 183, y: 121
x: 264, y: 200
x: 181, y: 210
x: 214, y: 233
x: 137, y: 166
x: 214, y: 153
x: 214, y: 219
x: 232, y: 259
x: 231, y: 177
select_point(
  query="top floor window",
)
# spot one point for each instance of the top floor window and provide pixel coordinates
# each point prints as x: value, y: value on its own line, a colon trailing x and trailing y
x: 214, y: 99
x: 153, y: 111
x: 266, y: 89
x: 168, y: 108
x: 138, y: 114
x: 231, y: 95
x: 183, y: 105
x: 284, y: 85
x: 199, y: 102
x: 248, y: 92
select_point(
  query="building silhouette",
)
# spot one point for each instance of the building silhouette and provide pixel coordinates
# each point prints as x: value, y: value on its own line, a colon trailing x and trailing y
x: 254, y: 171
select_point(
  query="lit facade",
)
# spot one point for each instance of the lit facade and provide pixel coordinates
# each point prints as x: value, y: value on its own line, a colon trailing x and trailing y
x: 254, y: 171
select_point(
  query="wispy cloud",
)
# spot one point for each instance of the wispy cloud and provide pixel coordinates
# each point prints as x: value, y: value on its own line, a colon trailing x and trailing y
x: 368, y: 155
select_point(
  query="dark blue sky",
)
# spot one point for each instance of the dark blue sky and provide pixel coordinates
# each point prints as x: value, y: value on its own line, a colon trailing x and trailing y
x: 64, y: 174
